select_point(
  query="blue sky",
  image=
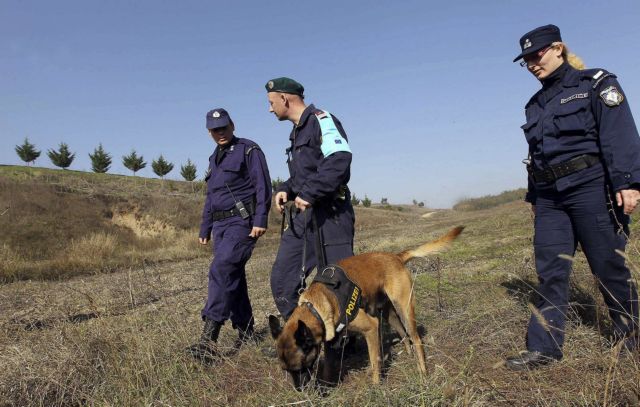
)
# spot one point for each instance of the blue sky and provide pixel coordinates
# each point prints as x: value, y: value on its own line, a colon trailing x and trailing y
x: 426, y: 90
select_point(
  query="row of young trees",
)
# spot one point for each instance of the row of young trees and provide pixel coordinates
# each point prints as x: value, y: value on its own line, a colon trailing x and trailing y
x: 101, y: 160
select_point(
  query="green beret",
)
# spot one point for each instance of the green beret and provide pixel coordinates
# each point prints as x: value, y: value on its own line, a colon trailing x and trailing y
x: 285, y: 85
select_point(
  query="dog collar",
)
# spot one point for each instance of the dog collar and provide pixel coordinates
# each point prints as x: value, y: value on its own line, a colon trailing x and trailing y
x: 315, y: 313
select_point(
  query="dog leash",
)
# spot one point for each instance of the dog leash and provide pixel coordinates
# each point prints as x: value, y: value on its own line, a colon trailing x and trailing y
x: 320, y: 253
x: 303, y: 285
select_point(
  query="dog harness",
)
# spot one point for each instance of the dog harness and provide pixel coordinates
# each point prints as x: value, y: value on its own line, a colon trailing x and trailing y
x: 347, y: 292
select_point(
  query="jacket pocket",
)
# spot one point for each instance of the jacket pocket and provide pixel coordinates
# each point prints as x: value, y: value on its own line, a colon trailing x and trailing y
x: 530, y: 130
x: 570, y: 118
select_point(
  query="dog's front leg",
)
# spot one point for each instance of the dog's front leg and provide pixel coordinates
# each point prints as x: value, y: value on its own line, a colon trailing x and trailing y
x: 331, y: 365
x: 370, y: 331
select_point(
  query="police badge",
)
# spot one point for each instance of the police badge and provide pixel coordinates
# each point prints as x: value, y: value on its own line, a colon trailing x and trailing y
x: 216, y: 114
x: 527, y: 44
x: 611, y: 96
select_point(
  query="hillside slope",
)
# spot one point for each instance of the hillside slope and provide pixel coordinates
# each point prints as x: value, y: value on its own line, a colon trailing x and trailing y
x: 118, y: 339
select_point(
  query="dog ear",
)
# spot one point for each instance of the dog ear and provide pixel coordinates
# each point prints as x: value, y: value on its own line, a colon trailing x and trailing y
x: 304, y: 336
x: 274, y: 324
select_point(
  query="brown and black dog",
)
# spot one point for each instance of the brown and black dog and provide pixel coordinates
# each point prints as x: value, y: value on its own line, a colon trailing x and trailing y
x: 387, y: 290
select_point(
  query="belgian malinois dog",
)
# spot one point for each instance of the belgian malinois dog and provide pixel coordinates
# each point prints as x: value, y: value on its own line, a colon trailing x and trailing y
x: 386, y: 290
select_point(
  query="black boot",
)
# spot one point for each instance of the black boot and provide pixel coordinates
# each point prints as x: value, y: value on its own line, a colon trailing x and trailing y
x: 530, y: 360
x: 205, y: 350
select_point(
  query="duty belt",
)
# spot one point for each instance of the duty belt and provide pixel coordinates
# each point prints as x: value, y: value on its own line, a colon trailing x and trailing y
x: 220, y: 215
x: 553, y: 172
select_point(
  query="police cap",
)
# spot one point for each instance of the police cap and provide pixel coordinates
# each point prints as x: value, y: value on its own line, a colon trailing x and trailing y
x: 217, y: 118
x: 285, y: 85
x: 537, y: 39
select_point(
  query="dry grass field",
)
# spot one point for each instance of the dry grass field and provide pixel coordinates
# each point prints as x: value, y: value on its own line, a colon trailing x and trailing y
x: 116, y: 337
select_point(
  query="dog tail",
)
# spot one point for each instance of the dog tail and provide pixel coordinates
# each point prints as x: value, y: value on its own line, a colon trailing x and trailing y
x: 431, y: 247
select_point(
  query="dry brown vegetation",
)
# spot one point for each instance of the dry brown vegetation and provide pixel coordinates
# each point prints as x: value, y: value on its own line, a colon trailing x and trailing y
x: 60, y: 223
x: 117, y: 339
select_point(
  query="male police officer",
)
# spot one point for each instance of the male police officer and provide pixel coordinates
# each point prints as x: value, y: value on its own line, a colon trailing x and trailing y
x: 319, y: 161
x: 236, y: 210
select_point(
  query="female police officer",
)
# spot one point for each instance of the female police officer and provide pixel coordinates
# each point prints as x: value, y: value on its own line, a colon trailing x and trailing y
x: 584, y: 149
x: 236, y: 210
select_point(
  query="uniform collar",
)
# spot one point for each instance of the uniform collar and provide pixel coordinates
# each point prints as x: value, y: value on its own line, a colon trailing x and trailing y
x: 571, y: 77
x: 234, y: 141
x: 556, y: 77
x: 305, y: 114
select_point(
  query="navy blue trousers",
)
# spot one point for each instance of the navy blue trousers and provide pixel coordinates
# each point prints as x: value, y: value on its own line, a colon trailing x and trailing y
x: 228, y: 297
x: 336, y: 227
x: 586, y: 215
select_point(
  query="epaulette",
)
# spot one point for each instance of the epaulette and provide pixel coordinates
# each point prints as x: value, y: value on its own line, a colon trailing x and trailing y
x: 597, y: 75
x: 250, y: 149
x: 249, y: 145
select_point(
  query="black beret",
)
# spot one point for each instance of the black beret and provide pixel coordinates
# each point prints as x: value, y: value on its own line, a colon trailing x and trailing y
x: 537, y: 39
x: 285, y: 85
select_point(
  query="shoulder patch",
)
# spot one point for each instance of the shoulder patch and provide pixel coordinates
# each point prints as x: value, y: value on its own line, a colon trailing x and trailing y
x: 320, y: 114
x: 331, y: 139
x: 611, y: 96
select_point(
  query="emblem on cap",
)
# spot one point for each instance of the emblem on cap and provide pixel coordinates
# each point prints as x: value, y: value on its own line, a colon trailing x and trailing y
x: 611, y: 96
x: 215, y: 114
x: 270, y: 84
x: 527, y: 44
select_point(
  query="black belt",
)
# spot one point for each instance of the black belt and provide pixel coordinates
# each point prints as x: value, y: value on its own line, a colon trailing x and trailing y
x: 553, y: 172
x: 219, y: 215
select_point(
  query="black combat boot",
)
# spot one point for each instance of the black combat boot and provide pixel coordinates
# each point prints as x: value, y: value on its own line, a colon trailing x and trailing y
x: 205, y: 350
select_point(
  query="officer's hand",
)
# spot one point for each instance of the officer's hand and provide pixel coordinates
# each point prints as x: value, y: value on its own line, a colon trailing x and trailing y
x: 301, y: 204
x: 281, y: 199
x: 203, y: 240
x: 628, y: 199
x: 256, y: 232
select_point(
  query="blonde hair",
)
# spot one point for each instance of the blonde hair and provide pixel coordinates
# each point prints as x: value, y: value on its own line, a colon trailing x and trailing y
x: 573, y: 60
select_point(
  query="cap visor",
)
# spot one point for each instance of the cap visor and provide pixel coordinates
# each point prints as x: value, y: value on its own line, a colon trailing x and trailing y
x: 530, y: 50
x: 219, y: 122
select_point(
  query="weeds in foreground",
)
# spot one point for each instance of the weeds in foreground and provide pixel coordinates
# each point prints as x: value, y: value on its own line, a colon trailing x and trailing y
x: 119, y: 339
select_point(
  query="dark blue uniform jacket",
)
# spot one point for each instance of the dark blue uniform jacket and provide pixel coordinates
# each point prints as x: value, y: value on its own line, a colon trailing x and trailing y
x: 570, y: 118
x: 317, y: 170
x: 243, y: 169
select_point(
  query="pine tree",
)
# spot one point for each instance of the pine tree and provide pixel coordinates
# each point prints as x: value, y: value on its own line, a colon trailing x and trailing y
x: 100, y: 160
x: 133, y: 162
x: 188, y: 171
x: 354, y: 200
x: 366, y: 202
x: 161, y: 167
x: 27, y: 152
x: 61, y: 158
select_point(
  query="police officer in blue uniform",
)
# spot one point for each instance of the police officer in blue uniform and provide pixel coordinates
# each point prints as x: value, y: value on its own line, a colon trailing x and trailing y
x: 319, y: 160
x: 584, y: 176
x: 235, y: 210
